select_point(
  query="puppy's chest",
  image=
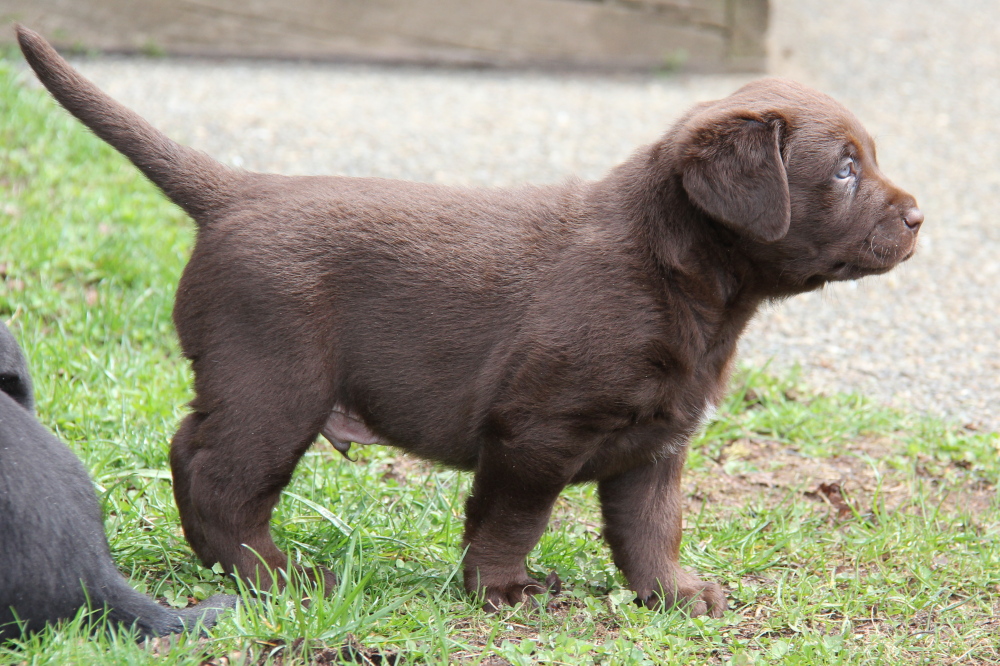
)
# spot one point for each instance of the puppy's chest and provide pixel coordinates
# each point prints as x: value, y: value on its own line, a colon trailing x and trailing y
x: 657, y: 428
x: 675, y: 417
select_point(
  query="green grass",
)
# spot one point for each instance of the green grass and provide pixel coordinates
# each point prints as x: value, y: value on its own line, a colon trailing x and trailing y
x: 905, y: 570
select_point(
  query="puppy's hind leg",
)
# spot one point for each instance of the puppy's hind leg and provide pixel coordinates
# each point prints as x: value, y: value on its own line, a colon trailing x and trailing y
x: 181, y: 453
x: 642, y: 524
x: 231, y: 463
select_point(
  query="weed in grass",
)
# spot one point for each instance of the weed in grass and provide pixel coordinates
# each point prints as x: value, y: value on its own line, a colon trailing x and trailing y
x: 907, y: 573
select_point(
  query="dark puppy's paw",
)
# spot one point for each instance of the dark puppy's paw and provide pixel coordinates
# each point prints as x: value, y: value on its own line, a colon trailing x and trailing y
x: 317, y: 575
x: 330, y: 581
x: 523, y: 590
x: 695, y: 598
x: 330, y: 584
x: 264, y: 580
x: 553, y: 583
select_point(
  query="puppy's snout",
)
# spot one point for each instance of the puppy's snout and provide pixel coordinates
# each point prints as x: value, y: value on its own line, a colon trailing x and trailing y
x: 913, y: 218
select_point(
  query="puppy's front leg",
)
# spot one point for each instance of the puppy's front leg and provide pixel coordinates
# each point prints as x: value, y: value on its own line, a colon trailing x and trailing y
x: 642, y: 524
x: 506, y: 513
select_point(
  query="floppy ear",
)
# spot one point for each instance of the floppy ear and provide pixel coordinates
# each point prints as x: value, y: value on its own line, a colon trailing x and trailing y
x: 734, y: 172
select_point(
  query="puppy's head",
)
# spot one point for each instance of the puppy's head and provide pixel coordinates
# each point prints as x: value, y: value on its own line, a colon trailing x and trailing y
x: 14, y: 378
x: 793, y: 174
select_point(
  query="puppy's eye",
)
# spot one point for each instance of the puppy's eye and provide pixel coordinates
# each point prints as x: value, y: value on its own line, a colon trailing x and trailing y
x: 847, y: 169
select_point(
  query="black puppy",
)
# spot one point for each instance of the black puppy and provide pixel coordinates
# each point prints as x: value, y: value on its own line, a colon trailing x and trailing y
x: 54, y: 557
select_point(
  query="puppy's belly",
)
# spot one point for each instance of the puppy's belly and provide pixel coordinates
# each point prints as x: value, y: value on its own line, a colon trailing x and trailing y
x: 638, y: 444
x: 344, y: 427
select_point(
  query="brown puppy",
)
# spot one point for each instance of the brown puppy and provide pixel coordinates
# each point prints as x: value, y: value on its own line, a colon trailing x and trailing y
x: 539, y: 336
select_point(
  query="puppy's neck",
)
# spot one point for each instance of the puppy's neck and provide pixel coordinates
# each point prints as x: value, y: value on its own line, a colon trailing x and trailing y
x: 684, y: 248
x: 702, y: 279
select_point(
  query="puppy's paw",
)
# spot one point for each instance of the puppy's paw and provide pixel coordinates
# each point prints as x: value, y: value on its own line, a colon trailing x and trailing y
x: 330, y: 582
x: 522, y: 590
x: 325, y: 580
x: 690, y: 595
x: 264, y: 580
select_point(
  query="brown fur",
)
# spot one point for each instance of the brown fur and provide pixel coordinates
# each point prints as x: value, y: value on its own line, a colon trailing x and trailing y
x: 538, y: 336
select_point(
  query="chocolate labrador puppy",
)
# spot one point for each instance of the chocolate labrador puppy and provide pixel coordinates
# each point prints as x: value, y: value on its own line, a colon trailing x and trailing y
x: 537, y: 336
x: 54, y: 556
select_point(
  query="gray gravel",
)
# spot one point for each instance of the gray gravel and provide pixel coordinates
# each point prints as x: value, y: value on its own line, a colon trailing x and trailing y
x: 922, y: 74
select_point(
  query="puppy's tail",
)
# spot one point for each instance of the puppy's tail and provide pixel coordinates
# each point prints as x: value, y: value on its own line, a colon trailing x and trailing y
x: 191, y: 179
x: 129, y: 608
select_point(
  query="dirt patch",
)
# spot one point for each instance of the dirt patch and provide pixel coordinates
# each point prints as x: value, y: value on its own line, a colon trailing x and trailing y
x: 769, y: 473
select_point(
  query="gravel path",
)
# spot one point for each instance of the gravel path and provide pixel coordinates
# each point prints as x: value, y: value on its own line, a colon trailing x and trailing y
x: 922, y: 75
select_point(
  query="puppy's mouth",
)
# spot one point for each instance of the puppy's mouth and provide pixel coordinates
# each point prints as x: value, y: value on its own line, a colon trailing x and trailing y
x: 877, y: 255
x: 874, y: 264
x: 848, y: 271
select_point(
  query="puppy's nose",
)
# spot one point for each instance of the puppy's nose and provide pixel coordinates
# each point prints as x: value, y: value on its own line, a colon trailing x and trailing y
x: 913, y: 218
